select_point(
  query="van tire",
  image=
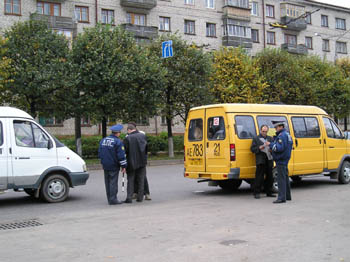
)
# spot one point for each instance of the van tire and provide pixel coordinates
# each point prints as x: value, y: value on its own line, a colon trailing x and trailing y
x: 230, y: 185
x: 30, y: 191
x: 296, y: 179
x: 55, y: 188
x: 344, y: 173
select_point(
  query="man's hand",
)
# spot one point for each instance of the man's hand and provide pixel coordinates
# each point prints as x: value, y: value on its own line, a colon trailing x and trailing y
x: 123, y: 170
x: 261, y: 147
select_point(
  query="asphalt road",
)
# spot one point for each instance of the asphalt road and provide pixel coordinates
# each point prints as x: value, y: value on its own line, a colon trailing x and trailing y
x: 185, y: 221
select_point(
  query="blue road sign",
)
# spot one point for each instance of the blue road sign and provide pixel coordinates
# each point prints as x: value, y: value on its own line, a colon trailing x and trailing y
x: 167, y: 49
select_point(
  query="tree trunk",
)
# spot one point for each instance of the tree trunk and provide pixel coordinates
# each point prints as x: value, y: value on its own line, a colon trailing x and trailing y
x: 77, y: 130
x: 104, y: 126
x: 170, y: 137
x: 346, y: 123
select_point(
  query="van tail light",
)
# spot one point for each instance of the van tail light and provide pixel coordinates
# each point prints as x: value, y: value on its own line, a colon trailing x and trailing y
x: 184, y: 153
x: 232, y: 152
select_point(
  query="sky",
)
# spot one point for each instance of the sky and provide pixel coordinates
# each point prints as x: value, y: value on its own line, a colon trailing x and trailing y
x: 345, y: 3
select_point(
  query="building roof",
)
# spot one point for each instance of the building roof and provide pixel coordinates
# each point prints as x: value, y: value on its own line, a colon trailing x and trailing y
x: 6, y: 111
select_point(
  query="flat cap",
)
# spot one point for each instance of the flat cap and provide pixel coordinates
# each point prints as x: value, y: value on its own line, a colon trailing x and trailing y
x: 277, y: 123
x: 117, y: 128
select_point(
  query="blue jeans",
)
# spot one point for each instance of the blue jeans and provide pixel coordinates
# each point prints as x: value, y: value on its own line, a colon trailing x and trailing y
x: 283, y: 183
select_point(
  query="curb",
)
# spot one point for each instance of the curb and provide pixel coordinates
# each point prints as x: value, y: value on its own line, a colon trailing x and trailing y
x: 149, y: 163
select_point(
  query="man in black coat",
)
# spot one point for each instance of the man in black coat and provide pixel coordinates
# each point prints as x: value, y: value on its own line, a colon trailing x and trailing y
x: 264, y: 162
x: 136, y: 152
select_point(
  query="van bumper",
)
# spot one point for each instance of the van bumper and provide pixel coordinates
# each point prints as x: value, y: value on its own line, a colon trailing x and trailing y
x: 233, y: 174
x: 78, y: 178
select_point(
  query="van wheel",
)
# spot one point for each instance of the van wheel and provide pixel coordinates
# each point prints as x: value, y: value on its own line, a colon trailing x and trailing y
x: 296, y: 179
x: 30, y: 191
x: 230, y: 185
x: 344, y: 173
x: 55, y: 188
x: 274, y: 184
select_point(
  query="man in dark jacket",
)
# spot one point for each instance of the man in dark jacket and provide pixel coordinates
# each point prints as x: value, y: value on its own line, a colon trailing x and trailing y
x: 264, y: 162
x: 136, y: 153
x: 281, y: 152
x: 112, y: 155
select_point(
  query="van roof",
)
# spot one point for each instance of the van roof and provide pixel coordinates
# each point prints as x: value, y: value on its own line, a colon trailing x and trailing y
x: 266, y: 108
x: 6, y: 111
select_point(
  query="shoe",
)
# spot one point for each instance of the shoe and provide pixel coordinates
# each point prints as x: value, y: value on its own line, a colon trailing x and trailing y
x: 289, y: 199
x: 257, y: 196
x: 134, y: 196
x: 148, y: 197
x: 116, y: 202
x: 139, y: 200
x: 128, y: 201
x: 279, y: 201
x: 270, y: 195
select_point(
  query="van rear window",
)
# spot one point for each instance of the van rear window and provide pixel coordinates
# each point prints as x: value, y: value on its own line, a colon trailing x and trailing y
x: 195, y: 132
x: 216, y: 128
x: 245, y: 127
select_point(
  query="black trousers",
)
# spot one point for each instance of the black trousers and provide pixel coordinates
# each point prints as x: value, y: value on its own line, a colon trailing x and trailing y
x: 146, y: 189
x: 283, y: 183
x: 261, y: 171
x: 138, y: 174
x: 111, y: 184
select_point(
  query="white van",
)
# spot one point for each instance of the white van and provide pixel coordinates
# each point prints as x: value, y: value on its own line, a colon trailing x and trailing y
x: 34, y: 161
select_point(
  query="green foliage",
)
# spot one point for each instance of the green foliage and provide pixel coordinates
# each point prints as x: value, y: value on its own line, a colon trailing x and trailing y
x: 236, y: 78
x: 38, y: 66
x: 4, y: 70
x: 344, y: 64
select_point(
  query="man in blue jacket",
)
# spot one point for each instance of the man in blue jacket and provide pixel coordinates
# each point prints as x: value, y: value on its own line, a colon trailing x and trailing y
x: 281, y: 149
x: 112, y: 154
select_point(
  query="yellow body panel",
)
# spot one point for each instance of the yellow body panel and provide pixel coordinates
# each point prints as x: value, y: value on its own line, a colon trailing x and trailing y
x: 209, y: 156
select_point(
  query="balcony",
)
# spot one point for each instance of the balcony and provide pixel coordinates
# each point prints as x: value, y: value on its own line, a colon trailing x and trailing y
x: 295, y: 49
x: 296, y: 25
x: 237, y: 41
x: 139, y: 31
x: 232, y: 9
x: 143, y: 4
x: 56, y: 22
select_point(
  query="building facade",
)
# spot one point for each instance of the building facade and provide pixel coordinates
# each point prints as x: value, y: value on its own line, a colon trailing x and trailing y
x: 298, y: 26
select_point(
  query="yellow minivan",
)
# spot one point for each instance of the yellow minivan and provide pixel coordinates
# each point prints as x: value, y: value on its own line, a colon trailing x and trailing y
x: 218, y: 139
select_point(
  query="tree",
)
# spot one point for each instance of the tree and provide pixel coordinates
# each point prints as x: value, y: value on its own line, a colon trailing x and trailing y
x: 236, y: 78
x: 185, y: 82
x: 114, y: 77
x: 4, y: 70
x: 38, y: 66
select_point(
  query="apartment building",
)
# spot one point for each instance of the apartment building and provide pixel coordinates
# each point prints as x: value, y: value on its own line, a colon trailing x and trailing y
x: 298, y: 26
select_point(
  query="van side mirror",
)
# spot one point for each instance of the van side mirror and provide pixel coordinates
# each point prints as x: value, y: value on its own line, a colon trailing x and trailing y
x: 49, y: 144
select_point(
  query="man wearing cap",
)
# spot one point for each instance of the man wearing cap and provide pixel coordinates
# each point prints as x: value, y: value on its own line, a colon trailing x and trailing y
x: 112, y: 155
x: 281, y: 149
x: 136, y: 153
x: 264, y: 163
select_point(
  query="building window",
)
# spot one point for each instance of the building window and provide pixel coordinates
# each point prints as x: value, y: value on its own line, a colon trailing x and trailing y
x: 340, y: 47
x: 308, y: 42
x: 340, y: 24
x: 50, y: 121
x: 85, y: 121
x: 238, y: 3
x: 44, y: 8
x: 290, y: 39
x: 255, y: 9
x: 107, y: 16
x: 164, y: 23
x: 136, y: 19
x: 189, y: 2
x: 325, y: 45
x: 270, y: 11
x: 308, y: 18
x: 82, y: 14
x: 13, y: 7
x: 236, y: 28
x: 190, y: 27
x: 271, y: 39
x: 211, y: 30
x: 292, y: 10
x: 209, y: 3
x: 255, y: 35
x: 324, y: 20
x: 68, y: 34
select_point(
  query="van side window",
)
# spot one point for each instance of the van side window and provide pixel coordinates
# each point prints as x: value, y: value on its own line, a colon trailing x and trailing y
x: 305, y: 127
x: 245, y: 127
x: 28, y: 134
x: 216, y: 128
x: 195, y: 132
x: 1, y: 135
x: 331, y: 128
x: 267, y: 120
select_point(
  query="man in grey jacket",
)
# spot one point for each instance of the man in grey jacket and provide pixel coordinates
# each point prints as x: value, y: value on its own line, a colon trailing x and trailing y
x: 264, y: 162
x: 136, y: 152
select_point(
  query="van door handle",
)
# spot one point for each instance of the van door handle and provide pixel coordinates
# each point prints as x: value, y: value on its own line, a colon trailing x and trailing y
x: 320, y: 141
x: 10, y: 150
x: 296, y: 142
x: 324, y: 141
x: 24, y: 157
x: 331, y: 147
x: 207, y: 144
